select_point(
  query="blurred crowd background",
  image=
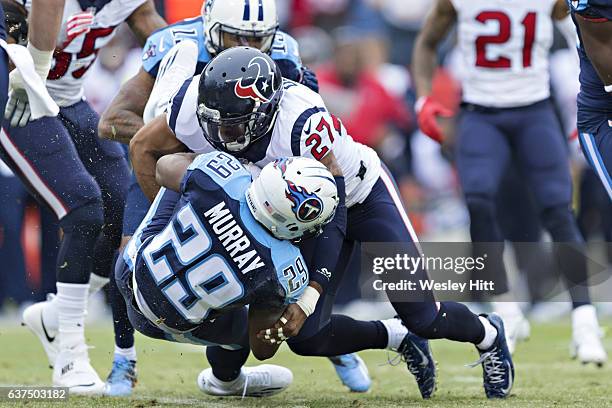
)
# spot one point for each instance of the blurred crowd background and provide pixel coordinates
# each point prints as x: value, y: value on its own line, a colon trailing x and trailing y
x: 361, y: 52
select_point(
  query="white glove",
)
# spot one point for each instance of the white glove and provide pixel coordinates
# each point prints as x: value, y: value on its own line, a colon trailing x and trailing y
x: 18, y: 107
x: 17, y: 110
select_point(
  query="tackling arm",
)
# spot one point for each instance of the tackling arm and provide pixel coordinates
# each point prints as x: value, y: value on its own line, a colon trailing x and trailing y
x: 123, y: 118
x: 150, y: 143
x: 597, y: 42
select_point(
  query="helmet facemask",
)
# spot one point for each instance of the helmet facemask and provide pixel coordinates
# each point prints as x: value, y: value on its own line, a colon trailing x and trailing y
x: 234, y: 134
x: 224, y: 36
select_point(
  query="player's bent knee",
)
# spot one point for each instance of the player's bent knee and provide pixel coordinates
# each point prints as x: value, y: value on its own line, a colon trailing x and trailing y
x: 90, y: 216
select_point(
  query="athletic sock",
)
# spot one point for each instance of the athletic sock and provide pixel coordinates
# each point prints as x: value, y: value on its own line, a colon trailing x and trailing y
x: 489, y: 336
x: 71, y: 308
x: 396, y: 332
x: 96, y: 282
x: 129, y: 353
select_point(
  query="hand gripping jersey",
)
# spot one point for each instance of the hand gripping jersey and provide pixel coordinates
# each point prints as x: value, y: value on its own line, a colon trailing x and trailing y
x: 284, y: 48
x: 303, y: 127
x: 505, y: 46
x: 74, y: 56
x: 593, y: 100
x: 210, y: 255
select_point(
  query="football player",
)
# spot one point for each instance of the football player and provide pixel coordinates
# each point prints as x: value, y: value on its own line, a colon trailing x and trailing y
x: 507, y: 113
x: 240, y: 105
x: 81, y: 178
x: 207, y: 256
x: 223, y: 24
x: 593, y: 20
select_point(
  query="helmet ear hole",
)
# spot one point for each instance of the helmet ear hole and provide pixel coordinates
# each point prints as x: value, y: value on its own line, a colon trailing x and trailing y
x: 224, y: 74
x: 243, y: 69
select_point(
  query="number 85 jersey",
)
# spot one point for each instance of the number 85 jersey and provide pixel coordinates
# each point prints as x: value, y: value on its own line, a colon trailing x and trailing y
x: 505, y: 47
x: 76, y: 53
x: 209, y: 255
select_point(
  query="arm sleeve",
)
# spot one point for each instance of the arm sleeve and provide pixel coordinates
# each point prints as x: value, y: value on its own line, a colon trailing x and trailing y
x: 313, y: 134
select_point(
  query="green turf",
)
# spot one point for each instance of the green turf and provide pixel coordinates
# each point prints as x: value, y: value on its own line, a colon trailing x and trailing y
x: 545, y: 377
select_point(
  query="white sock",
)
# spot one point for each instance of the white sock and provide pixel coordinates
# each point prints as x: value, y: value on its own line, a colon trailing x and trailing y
x: 50, y: 316
x: 396, y: 332
x: 227, y: 384
x: 129, y: 353
x: 490, y: 334
x: 96, y: 283
x: 71, y: 307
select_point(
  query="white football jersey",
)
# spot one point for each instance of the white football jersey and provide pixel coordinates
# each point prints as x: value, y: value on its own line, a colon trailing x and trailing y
x: 505, y: 48
x: 72, y: 59
x: 303, y: 127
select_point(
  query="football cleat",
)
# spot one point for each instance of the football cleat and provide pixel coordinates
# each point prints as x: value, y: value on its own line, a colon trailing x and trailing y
x: 497, y: 366
x: 33, y: 320
x: 415, y: 351
x: 586, y: 343
x: 122, y: 378
x: 73, y: 370
x: 352, y: 372
x: 259, y: 381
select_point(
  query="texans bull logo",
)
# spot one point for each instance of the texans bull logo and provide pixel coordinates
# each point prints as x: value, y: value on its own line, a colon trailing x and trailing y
x: 261, y: 83
x: 307, y: 207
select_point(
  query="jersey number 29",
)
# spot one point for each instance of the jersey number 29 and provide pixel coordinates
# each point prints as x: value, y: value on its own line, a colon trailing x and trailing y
x: 211, y: 282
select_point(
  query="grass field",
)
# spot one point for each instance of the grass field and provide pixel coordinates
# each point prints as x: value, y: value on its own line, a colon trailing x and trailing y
x: 545, y: 377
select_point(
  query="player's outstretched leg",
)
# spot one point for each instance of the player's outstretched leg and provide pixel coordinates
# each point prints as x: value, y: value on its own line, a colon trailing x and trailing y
x: 58, y: 179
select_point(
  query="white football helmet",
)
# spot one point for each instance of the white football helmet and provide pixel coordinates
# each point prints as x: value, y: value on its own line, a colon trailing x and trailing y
x: 293, y: 196
x: 230, y: 23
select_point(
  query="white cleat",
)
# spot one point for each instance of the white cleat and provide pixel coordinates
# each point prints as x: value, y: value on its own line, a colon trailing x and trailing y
x: 73, y: 370
x: 516, y: 325
x: 586, y: 343
x: 33, y: 320
x: 259, y: 381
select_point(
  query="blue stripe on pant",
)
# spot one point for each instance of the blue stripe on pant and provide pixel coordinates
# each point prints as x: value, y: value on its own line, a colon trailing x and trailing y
x: 597, y: 148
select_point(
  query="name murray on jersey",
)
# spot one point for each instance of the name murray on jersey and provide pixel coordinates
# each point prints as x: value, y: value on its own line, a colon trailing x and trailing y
x: 233, y: 238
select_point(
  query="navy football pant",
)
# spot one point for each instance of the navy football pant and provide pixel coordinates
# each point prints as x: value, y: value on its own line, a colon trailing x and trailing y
x: 597, y: 148
x: 81, y: 178
x: 136, y: 207
x: 487, y: 141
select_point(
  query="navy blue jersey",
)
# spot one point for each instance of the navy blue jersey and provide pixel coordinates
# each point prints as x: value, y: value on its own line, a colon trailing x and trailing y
x: 284, y: 48
x: 593, y: 100
x: 208, y: 255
